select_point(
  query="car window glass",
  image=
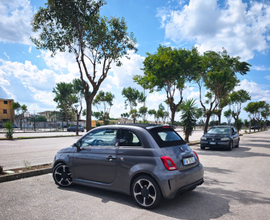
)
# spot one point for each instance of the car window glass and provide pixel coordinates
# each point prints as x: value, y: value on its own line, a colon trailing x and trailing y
x: 103, y: 137
x: 169, y: 136
x: 128, y: 138
x: 219, y: 131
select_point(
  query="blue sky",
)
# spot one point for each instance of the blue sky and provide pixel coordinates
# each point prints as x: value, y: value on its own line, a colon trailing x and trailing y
x: 242, y: 27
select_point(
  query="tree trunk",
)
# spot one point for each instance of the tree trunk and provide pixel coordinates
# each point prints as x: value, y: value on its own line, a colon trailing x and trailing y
x: 219, y: 116
x: 77, y: 116
x: 206, y: 123
x: 172, y: 117
x: 88, y: 114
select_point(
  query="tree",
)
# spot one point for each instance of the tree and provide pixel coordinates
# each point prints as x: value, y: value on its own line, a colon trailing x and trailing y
x: 125, y: 116
x: 9, y: 130
x: 265, y: 113
x: 219, y: 77
x: 134, y: 114
x: 152, y: 112
x: 132, y: 96
x: 246, y: 123
x: 188, y: 117
x: 63, y: 92
x: 143, y: 112
x: 39, y: 118
x: 238, y: 125
x: 228, y: 115
x: 20, y: 110
x: 255, y: 110
x: 104, y: 99
x: 237, y: 98
x: 169, y: 69
x: 68, y: 99
x: 77, y: 27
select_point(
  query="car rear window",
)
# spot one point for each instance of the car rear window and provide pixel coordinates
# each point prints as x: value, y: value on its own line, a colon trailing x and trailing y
x: 166, y: 137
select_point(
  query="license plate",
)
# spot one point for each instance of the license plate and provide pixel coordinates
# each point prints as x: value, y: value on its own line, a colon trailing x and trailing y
x: 189, y: 160
x: 213, y: 143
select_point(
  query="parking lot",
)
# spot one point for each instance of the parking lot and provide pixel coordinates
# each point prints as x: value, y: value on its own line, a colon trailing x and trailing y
x: 236, y: 187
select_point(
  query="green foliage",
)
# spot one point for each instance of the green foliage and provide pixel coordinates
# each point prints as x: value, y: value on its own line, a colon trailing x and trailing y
x: 219, y: 77
x: 132, y: 96
x: 246, y: 123
x: 97, y: 115
x: 76, y: 26
x: 238, y: 125
x: 98, y: 124
x: 143, y: 112
x: 125, y: 115
x: 188, y: 117
x: 9, y: 130
x: 39, y: 118
x: 169, y: 69
x: 134, y: 114
x: 228, y: 115
x: 104, y: 99
x: 68, y: 98
x: 20, y: 110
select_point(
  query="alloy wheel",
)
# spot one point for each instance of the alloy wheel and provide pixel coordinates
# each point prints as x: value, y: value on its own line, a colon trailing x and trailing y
x: 62, y: 175
x: 146, y: 192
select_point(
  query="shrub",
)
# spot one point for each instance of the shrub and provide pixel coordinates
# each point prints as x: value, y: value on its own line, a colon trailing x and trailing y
x: 9, y: 130
x: 238, y: 125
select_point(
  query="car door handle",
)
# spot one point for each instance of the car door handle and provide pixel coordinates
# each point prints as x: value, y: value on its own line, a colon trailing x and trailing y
x: 110, y: 158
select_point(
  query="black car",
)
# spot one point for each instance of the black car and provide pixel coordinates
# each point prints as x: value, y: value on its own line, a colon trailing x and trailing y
x: 74, y: 128
x: 255, y: 127
x: 224, y: 136
x: 148, y: 162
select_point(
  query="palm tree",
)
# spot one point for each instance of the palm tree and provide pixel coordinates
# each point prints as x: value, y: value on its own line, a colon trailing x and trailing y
x: 188, y: 118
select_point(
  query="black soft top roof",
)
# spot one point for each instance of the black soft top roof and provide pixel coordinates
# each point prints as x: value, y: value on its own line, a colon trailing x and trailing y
x: 145, y: 126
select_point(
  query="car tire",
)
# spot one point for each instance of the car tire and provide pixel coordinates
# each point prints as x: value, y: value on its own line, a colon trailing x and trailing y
x: 238, y: 142
x: 202, y: 147
x: 230, y: 146
x: 146, y: 192
x: 62, y: 175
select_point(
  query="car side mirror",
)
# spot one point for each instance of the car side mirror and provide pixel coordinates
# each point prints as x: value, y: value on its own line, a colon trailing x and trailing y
x: 78, y: 145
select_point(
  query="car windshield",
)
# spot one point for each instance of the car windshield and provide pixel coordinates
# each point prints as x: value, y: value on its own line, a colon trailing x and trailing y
x: 219, y: 131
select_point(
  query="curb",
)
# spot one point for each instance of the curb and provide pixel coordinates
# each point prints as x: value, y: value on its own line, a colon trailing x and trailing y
x: 22, y: 138
x: 194, y: 143
x: 25, y: 174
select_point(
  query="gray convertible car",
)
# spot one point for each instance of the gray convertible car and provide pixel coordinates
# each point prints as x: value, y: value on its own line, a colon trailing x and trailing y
x: 148, y: 162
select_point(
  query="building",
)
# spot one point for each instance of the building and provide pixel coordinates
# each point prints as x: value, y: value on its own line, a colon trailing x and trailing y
x: 6, y: 113
x: 50, y: 115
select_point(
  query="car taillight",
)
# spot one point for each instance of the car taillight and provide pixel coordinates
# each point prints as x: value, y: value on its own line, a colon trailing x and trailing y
x: 168, y: 163
x: 197, y: 156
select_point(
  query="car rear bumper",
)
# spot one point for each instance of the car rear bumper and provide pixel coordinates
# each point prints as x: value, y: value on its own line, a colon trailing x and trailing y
x: 176, y: 182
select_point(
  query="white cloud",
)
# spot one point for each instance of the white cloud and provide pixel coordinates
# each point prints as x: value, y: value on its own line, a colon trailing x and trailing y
x: 25, y: 83
x: 255, y: 90
x: 267, y: 77
x: 239, y: 27
x: 122, y: 76
x: 6, y: 55
x: 15, y: 19
x: 260, y: 68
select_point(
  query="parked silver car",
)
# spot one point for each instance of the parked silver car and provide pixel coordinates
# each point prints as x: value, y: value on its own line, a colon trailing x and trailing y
x: 149, y: 162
